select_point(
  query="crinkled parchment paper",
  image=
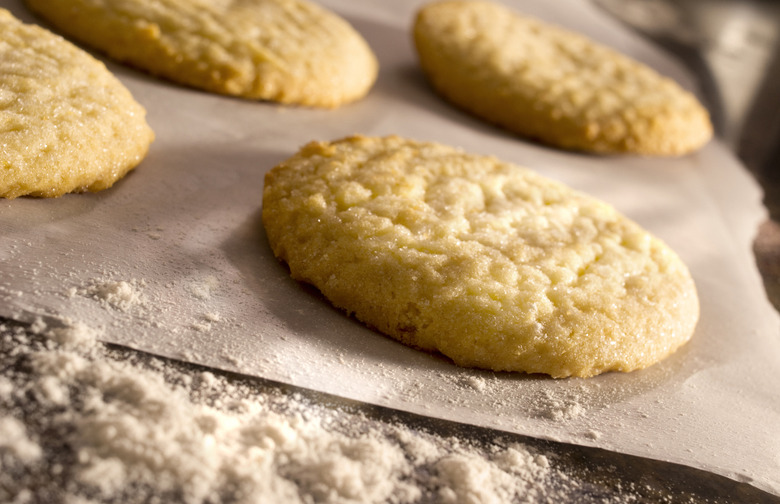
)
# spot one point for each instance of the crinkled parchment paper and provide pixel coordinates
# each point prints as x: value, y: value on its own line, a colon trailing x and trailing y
x: 180, y: 242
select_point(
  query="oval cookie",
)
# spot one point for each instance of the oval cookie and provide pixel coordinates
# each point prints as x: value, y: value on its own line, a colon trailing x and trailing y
x: 552, y: 85
x: 288, y: 51
x: 486, y: 262
x: 66, y: 123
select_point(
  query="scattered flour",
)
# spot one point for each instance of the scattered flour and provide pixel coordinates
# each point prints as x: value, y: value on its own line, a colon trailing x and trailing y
x: 593, y: 434
x: 202, y: 289
x: 121, y: 295
x: 145, y: 430
x: 559, y: 407
x: 507, y: 475
x: 475, y: 382
x: 14, y: 440
x: 6, y: 388
x: 86, y: 423
x: 77, y: 335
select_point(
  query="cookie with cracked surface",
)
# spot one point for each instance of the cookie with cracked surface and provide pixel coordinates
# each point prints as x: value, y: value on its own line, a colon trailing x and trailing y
x: 66, y: 123
x: 287, y: 51
x: 552, y: 85
x: 487, y: 262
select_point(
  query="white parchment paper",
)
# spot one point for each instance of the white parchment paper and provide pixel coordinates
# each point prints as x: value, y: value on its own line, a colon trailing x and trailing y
x: 182, y: 235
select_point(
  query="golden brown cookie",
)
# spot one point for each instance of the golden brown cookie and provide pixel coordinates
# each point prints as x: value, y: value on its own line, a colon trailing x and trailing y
x: 66, y: 123
x: 552, y: 85
x: 288, y: 51
x: 486, y: 262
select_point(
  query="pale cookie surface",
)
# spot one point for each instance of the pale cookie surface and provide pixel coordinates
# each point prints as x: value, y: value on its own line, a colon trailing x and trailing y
x: 288, y: 51
x: 552, y: 85
x: 66, y: 123
x: 484, y: 261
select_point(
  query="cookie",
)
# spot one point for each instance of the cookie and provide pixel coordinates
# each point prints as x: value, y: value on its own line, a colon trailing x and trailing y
x: 66, y: 123
x: 487, y: 262
x: 287, y: 51
x: 560, y: 88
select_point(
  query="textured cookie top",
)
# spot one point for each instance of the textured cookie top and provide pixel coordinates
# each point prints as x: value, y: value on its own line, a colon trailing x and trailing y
x: 553, y: 85
x: 487, y: 262
x: 66, y: 123
x: 289, y: 51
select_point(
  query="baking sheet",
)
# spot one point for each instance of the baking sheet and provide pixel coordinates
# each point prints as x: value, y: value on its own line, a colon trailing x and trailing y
x: 173, y: 260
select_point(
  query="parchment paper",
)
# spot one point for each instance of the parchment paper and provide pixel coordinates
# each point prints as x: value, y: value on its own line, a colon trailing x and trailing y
x: 182, y: 235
